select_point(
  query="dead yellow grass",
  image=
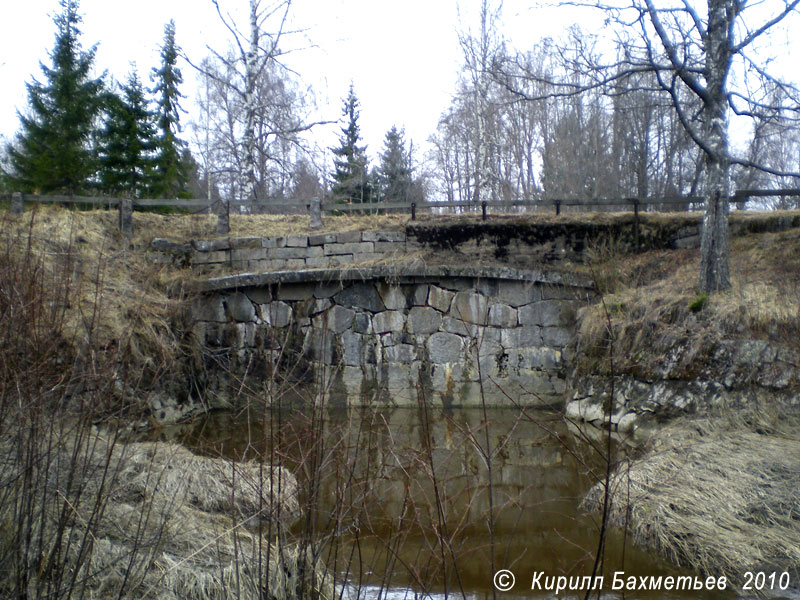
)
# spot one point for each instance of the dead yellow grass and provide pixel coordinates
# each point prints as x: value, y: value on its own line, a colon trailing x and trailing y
x: 116, y: 300
x: 187, y: 227
x: 717, y: 494
x: 163, y: 522
x: 653, y: 303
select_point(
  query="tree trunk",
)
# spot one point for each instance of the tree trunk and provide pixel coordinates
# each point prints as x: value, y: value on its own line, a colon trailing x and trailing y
x: 223, y: 217
x: 315, y: 214
x: 17, y: 203
x: 251, y: 75
x: 714, y: 270
x: 126, y: 216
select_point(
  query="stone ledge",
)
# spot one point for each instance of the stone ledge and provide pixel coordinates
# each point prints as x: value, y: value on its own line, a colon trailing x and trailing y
x: 547, y: 277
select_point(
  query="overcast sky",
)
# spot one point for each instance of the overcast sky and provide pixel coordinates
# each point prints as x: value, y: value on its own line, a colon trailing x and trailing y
x: 403, y: 57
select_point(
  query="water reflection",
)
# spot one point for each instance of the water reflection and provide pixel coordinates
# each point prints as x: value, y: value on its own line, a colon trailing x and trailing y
x: 408, y: 503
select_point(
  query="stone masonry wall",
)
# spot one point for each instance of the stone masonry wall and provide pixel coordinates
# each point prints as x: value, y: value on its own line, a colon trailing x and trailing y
x: 383, y: 339
x: 259, y: 254
x: 511, y: 242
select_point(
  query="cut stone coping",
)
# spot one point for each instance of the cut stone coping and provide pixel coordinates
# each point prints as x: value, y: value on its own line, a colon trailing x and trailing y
x: 249, y: 280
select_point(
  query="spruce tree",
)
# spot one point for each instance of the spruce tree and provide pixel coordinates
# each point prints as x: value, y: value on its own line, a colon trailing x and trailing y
x: 395, y: 168
x: 172, y: 170
x: 351, y: 180
x: 53, y: 151
x: 128, y: 142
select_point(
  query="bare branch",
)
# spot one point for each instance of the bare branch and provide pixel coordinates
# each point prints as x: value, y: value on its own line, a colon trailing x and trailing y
x: 764, y: 169
x: 229, y: 26
x: 680, y: 67
x: 791, y: 7
x: 698, y: 23
x: 211, y: 75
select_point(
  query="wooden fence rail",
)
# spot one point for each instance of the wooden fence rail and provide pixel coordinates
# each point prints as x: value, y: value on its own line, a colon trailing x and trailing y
x: 636, y: 205
x: 555, y: 203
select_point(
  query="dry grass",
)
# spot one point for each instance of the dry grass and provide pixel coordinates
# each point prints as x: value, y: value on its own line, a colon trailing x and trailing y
x: 654, y: 306
x: 137, y: 299
x: 717, y: 494
x: 241, y: 489
x: 117, y: 297
x: 172, y: 525
x: 187, y: 227
x: 566, y: 217
x: 83, y: 514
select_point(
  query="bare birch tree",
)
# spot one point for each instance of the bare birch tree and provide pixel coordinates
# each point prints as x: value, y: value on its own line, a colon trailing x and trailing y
x: 252, y: 55
x: 479, y: 54
x: 255, y: 78
x: 693, y: 47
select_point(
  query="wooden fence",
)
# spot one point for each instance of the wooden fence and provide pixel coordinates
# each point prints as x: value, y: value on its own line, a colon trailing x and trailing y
x: 635, y: 205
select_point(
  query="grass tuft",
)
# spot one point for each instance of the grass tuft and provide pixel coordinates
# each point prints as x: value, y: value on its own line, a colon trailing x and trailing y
x: 698, y: 302
x: 717, y: 494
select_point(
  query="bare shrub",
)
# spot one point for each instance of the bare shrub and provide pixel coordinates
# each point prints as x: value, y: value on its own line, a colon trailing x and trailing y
x: 84, y: 510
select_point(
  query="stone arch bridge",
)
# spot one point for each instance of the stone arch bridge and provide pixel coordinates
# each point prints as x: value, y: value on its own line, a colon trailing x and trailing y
x: 462, y: 311
x: 383, y: 335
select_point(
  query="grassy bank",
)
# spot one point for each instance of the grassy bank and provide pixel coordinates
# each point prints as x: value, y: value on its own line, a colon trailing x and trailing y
x: 717, y: 494
x: 716, y: 491
x: 653, y: 306
x: 88, y: 330
x: 84, y: 514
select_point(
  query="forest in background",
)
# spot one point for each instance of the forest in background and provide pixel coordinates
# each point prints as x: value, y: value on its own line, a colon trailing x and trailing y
x: 574, y: 116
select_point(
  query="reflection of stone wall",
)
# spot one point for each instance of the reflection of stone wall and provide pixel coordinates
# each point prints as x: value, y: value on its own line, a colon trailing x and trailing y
x: 457, y: 332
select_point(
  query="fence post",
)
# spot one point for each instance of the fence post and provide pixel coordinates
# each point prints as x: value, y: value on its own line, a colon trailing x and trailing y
x: 17, y: 203
x: 636, y: 222
x: 558, y: 207
x: 413, y: 211
x: 126, y: 216
x: 483, y: 210
x: 315, y: 216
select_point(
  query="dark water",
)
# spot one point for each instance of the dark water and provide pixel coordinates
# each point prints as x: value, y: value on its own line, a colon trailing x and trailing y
x: 402, y: 504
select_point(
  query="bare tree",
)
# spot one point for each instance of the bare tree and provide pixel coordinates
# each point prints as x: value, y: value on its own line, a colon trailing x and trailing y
x: 653, y: 156
x: 778, y: 145
x: 479, y: 54
x: 695, y: 47
x: 250, y: 59
x: 546, y: 139
x: 692, y: 49
x: 454, y: 154
x: 263, y: 106
x: 217, y: 135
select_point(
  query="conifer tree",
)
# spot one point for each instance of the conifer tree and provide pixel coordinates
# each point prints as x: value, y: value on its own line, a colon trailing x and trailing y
x: 53, y: 151
x: 128, y: 142
x: 395, y: 167
x: 351, y: 180
x: 171, y: 173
